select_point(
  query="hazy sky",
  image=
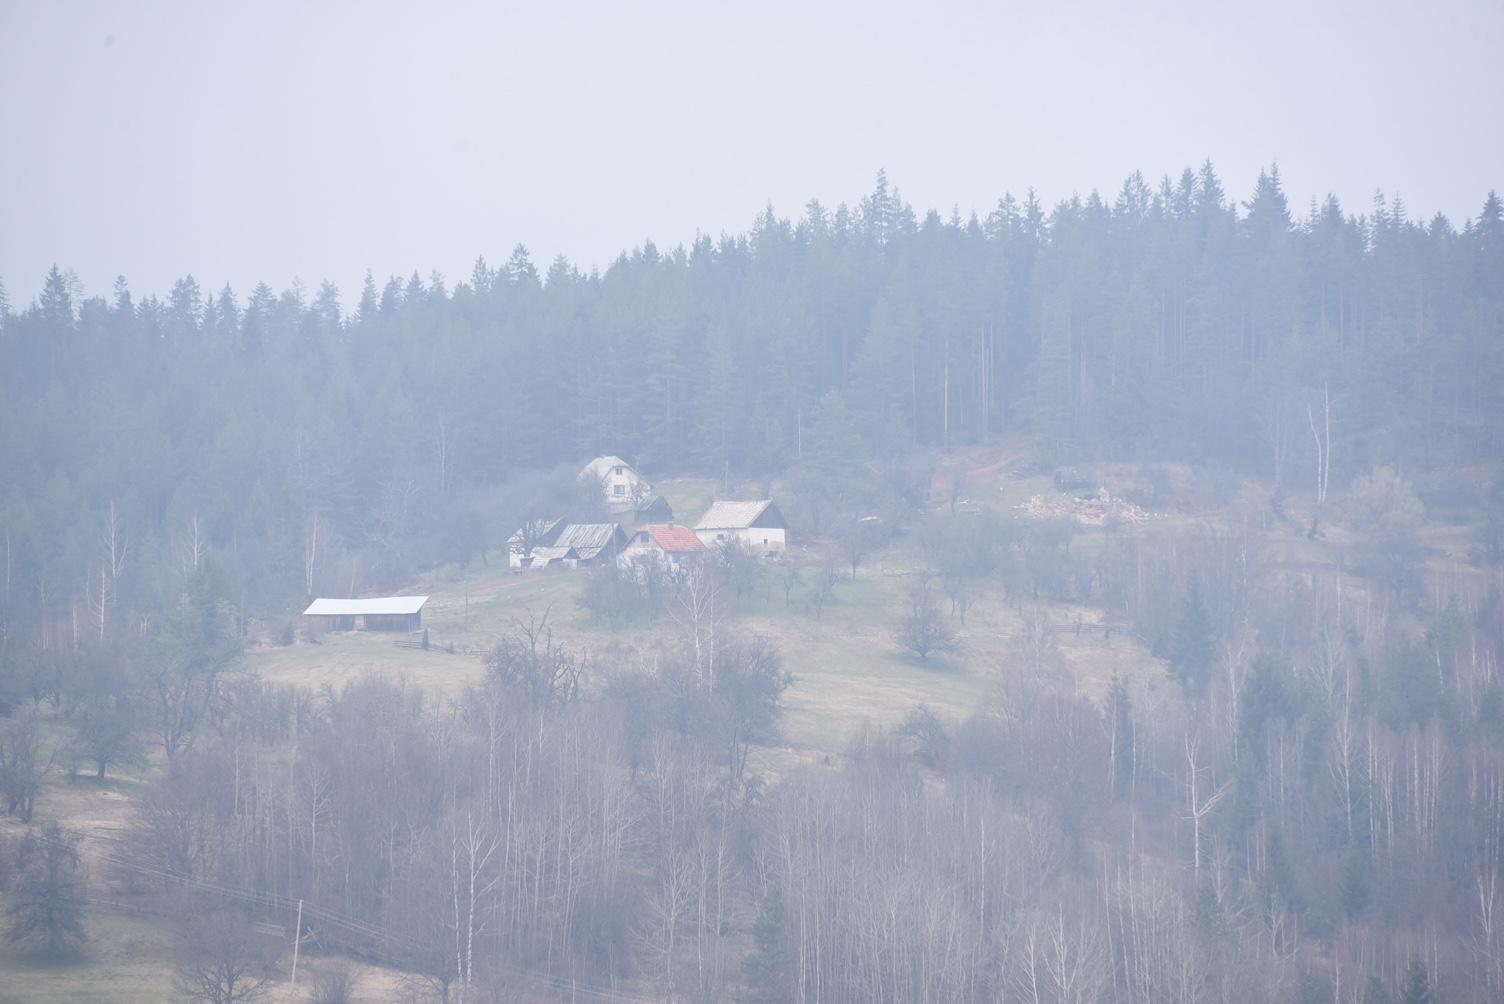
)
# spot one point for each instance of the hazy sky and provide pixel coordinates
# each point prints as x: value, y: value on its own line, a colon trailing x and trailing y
x: 270, y: 140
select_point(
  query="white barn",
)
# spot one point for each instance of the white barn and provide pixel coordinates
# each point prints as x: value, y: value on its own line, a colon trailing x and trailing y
x: 380, y: 613
x: 756, y: 525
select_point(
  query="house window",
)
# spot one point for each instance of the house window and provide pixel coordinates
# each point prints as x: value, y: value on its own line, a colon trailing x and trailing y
x: 619, y: 471
x: 620, y: 489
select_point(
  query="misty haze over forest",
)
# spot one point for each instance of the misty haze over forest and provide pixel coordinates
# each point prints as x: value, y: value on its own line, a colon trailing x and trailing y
x: 1088, y: 598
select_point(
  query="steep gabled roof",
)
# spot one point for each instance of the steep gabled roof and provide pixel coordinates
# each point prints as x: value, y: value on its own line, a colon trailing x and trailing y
x: 601, y: 466
x: 376, y: 606
x: 732, y: 515
x: 673, y: 538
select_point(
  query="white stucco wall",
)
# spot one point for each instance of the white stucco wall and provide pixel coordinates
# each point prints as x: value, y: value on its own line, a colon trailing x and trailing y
x: 758, y: 540
x: 625, y: 490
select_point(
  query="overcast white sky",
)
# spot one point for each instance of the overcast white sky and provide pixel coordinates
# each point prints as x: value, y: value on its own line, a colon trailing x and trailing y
x: 274, y: 140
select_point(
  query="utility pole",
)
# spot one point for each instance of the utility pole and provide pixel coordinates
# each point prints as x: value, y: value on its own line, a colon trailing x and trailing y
x: 297, y: 940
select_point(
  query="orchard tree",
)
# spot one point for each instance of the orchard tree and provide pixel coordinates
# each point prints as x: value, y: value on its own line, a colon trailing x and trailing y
x: 923, y: 629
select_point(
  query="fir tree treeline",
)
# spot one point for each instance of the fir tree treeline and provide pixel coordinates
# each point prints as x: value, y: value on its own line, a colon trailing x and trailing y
x: 1168, y: 321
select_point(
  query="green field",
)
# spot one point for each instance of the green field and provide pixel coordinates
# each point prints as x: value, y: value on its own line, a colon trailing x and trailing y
x: 125, y: 961
x: 848, y: 669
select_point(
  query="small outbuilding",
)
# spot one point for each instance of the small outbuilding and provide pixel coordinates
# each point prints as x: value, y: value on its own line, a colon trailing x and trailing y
x: 381, y: 613
x: 756, y: 525
x: 655, y: 510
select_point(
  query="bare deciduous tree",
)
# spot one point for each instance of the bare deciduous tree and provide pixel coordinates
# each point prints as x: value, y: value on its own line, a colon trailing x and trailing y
x: 539, y: 666
x: 790, y: 577
x: 219, y: 961
x: 923, y: 629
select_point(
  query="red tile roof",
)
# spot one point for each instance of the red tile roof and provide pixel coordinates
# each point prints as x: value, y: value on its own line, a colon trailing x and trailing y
x: 674, y: 538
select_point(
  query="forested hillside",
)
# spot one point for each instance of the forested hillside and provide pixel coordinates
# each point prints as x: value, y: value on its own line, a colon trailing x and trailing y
x: 1166, y: 322
x: 1139, y: 638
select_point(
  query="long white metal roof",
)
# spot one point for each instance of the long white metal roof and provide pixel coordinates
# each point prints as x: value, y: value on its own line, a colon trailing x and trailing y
x: 728, y: 515
x: 380, y: 606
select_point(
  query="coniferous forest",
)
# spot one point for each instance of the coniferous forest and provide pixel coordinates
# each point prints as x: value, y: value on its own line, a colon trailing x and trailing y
x: 1301, y: 800
x: 1168, y: 321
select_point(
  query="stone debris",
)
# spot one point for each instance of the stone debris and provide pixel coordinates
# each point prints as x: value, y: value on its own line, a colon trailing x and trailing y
x: 1086, y: 510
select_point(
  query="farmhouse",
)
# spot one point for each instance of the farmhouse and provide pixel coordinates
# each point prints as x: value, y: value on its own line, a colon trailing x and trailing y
x: 622, y: 487
x: 663, y: 543
x: 382, y: 613
x: 591, y: 543
x: 756, y: 525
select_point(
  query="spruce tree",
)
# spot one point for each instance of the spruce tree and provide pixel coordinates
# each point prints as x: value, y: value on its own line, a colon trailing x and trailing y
x: 1417, y: 985
x: 1191, y: 657
x: 46, y: 907
x: 768, y: 970
x: 1353, y: 888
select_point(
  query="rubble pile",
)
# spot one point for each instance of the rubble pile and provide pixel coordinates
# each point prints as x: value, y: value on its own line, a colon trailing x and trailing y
x: 1087, y: 510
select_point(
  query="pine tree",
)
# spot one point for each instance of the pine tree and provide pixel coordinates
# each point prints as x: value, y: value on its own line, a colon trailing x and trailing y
x: 46, y: 907
x: 1353, y: 888
x: 1417, y: 985
x: 520, y: 270
x: 768, y: 970
x: 832, y: 445
x: 57, y: 301
x: 365, y: 312
x: 882, y: 379
x: 1191, y: 657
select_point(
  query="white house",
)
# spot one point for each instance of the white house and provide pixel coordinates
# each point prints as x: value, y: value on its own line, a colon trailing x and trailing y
x: 756, y: 525
x: 623, y: 488
x: 664, y: 544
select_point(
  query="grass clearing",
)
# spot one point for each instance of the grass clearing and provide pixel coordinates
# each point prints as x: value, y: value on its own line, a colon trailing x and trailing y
x: 849, y: 671
x: 123, y: 962
x: 689, y: 497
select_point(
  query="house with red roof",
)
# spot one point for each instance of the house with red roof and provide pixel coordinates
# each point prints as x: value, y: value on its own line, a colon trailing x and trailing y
x: 666, y: 544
